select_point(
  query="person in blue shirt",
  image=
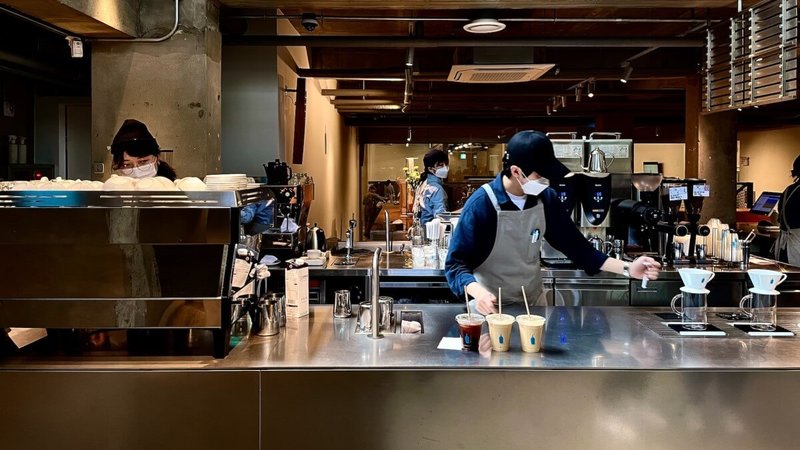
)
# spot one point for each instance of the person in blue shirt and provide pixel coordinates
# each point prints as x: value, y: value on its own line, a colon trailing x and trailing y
x: 257, y: 217
x: 498, y: 239
x: 431, y: 198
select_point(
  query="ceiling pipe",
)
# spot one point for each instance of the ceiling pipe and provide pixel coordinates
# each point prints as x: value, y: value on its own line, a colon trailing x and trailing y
x: 150, y: 40
x: 451, y: 42
x: 466, y: 19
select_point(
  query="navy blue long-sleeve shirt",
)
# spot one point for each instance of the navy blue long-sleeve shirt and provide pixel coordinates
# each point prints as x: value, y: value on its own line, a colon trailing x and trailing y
x: 474, y: 236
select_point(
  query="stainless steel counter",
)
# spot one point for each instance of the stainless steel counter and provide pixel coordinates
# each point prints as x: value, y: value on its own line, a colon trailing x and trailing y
x: 622, y: 338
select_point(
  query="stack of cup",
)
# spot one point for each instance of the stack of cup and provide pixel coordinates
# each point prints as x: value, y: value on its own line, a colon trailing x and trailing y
x: 693, y: 298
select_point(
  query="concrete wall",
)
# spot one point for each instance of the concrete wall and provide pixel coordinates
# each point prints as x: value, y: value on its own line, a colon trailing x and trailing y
x: 672, y: 156
x: 330, y: 155
x: 172, y: 86
x: 771, y: 154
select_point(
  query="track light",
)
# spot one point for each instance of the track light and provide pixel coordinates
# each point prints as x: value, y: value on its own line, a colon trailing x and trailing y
x: 410, y: 57
x: 590, y: 89
x: 549, y: 110
x: 626, y: 73
x: 555, y: 104
x: 578, y: 93
x: 563, y: 101
x: 408, y: 139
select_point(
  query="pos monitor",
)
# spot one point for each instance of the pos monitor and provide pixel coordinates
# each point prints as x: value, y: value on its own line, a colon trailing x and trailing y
x: 765, y: 203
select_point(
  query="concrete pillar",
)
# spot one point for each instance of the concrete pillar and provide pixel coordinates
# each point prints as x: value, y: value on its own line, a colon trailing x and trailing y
x: 717, y: 164
x: 693, y: 105
x: 252, y: 106
x: 172, y: 86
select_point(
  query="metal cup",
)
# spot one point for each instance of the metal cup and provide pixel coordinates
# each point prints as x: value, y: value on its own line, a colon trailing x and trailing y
x: 341, y: 304
x: 268, y: 316
x: 677, y: 249
x: 364, y: 322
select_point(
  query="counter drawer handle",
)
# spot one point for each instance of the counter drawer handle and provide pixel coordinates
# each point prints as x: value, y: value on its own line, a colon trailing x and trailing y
x: 646, y: 291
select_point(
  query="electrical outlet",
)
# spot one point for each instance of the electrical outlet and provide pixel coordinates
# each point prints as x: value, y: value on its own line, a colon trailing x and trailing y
x: 8, y: 109
x: 98, y: 168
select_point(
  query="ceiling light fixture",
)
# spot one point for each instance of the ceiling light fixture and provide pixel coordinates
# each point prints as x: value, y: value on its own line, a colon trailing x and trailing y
x: 626, y: 73
x: 549, y: 110
x: 484, y: 26
x: 578, y: 94
x: 408, y: 139
x: 590, y: 89
x: 410, y: 57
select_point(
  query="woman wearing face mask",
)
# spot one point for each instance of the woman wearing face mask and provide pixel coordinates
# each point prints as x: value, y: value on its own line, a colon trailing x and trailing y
x: 499, y: 236
x: 431, y: 198
x: 135, y: 153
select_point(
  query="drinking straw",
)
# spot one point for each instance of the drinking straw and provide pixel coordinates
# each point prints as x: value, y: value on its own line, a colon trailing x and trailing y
x: 525, y: 298
x: 500, y: 300
x: 466, y: 297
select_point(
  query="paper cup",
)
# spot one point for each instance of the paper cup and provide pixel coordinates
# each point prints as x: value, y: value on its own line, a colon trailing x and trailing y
x: 500, y: 331
x: 530, y: 332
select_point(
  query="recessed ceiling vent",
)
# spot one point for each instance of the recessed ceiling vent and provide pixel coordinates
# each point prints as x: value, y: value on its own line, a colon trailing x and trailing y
x: 497, y: 73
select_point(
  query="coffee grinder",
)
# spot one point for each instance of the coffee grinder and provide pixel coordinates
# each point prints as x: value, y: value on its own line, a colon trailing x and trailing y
x: 639, y: 218
x: 691, y: 192
x: 697, y: 190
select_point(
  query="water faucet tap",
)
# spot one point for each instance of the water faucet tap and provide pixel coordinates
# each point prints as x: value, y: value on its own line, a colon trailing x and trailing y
x: 388, y: 232
x: 375, y: 294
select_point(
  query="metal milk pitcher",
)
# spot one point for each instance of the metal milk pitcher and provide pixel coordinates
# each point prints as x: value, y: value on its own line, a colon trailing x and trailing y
x: 268, y: 316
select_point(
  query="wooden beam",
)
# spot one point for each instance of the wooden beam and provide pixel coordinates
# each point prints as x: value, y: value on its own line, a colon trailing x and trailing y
x: 95, y: 20
x: 475, y: 4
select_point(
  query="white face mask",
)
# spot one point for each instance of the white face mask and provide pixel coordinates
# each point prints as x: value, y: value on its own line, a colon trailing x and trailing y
x: 534, y: 187
x: 442, y: 172
x: 145, y: 171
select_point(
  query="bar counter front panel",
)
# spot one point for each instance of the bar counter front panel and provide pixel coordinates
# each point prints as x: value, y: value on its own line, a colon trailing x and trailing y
x: 607, y: 377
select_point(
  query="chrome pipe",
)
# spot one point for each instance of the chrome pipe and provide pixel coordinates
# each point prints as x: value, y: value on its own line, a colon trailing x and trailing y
x: 388, y: 232
x: 375, y: 286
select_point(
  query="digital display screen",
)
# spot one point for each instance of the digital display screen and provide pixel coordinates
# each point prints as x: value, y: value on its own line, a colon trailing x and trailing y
x: 765, y: 203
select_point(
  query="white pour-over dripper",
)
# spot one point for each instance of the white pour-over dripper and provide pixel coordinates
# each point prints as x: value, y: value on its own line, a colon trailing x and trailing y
x: 766, y: 280
x: 696, y: 279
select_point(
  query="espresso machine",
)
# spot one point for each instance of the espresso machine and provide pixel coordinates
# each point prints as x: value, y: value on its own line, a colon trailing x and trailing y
x: 286, y: 238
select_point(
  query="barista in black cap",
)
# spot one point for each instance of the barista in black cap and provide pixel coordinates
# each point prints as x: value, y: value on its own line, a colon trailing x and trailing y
x: 498, y: 239
x: 135, y: 153
x: 787, y: 248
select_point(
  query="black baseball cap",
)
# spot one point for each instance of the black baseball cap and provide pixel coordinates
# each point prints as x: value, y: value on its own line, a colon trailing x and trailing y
x: 134, y: 138
x: 532, y: 151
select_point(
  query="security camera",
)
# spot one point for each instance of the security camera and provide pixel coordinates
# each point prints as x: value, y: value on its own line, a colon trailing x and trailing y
x: 309, y: 21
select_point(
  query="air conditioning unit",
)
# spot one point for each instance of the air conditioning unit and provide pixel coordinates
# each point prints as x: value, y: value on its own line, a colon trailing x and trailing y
x: 497, y: 73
